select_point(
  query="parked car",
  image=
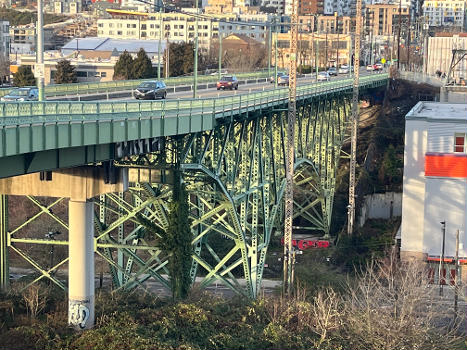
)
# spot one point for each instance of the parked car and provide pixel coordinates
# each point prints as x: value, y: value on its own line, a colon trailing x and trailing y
x: 30, y: 93
x: 279, y: 74
x: 228, y: 82
x: 151, y: 90
x: 378, y: 66
x: 370, y: 68
x: 324, y: 76
x: 223, y: 71
x: 283, y: 80
x: 332, y: 71
x: 344, y: 69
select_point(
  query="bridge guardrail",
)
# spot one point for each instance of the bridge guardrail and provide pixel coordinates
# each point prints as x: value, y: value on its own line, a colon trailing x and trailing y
x: 19, y: 113
x: 117, y: 85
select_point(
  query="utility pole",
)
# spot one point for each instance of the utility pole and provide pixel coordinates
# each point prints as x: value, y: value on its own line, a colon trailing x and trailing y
x: 220, y: 55
x: 441, y: 261
x: 289, y: 169
x: 269, y: 50
x: 160, y: 43
x: 195, y: 67
x: 40, y: 49
x: 354, y: 120
x: 316, y: 48
x: 399, y: 36
x: 275, y: 54
x: 408, y: 43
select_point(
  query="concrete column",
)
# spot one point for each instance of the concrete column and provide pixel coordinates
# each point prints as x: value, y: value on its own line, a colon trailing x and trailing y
x: 4, y: 267
x: 81, y: 265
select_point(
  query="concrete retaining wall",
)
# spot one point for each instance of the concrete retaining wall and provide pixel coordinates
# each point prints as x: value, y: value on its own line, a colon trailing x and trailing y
x: 380, y: 206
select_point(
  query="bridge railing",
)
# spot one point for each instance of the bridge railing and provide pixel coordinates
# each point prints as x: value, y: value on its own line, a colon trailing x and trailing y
x: 125, y: 85
x: 14, y: 113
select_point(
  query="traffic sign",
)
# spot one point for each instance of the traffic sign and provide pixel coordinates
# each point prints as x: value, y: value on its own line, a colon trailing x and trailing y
x: 39, y: 70
x: 383, y: 60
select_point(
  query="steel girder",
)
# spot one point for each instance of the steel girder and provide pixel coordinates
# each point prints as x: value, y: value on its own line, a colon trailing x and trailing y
x: 235, y: 178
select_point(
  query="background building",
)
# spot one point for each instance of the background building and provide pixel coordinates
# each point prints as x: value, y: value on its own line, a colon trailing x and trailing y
x: 4, y: 38
x: 176, y: 27
x: 439, y: 54
x: 333, y: 49
x: 434, y: 185
x: 445, y: 13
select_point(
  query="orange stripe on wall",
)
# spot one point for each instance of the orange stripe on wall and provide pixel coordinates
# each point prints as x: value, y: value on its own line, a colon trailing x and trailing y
x: 446, y: 165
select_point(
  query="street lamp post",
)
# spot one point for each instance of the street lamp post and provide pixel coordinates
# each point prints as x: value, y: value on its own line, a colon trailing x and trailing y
x: 220, y: 53
x: 275, y: 54
x: 40, y: 49
x: 159, y: 46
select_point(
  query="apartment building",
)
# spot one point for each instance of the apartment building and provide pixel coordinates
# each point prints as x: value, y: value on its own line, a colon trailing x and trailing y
x: 278, y: 5
x: 23, y: 39
x: 333, y: 49
x: 4, y: 38
x: 69, y: 7
x: 383, y: 19
x: 174, y: 27
x: 306, y: 7
x: 445, y: 13
x: 323, y: 24
x: 250, y: 25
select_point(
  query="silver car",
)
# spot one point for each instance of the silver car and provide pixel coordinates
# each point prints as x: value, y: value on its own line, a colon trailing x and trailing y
x: 22, y: 94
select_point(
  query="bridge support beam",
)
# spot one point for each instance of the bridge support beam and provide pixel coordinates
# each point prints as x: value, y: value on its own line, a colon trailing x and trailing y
x: 81, y: 265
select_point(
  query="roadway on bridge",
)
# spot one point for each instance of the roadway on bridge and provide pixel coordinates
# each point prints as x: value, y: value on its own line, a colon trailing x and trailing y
x: 242, y: 89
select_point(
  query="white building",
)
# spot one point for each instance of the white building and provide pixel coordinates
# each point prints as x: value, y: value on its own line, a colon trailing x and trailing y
x: 176, y: 27
x: 435, y: 181
x: 439, y: 55
x: 446, y: 13
x: 257, y: 30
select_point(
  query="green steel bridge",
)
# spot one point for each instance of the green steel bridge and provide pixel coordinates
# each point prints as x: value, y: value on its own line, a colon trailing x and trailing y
x: 229, y: 151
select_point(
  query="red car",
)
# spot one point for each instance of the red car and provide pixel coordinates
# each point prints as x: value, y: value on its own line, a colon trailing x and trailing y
x: 228, y: 82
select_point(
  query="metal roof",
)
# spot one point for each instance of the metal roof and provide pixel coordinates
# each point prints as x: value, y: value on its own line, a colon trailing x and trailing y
x: 439, y: 111
x: 108, y: 44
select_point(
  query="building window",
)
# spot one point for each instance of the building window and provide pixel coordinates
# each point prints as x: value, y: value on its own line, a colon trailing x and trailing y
x: 103, y: 74
x: 81, y: 74
x: 459, y: 143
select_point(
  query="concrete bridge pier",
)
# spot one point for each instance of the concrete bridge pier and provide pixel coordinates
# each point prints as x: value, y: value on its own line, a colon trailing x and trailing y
x: 81, y: 264
x: 79, y: 185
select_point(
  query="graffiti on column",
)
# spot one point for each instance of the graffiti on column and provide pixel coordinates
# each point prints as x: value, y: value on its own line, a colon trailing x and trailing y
x: 78, y: 313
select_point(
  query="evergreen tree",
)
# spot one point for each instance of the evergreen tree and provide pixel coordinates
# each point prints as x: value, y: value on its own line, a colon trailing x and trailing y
x: 181, y: 59
x: 142, y: 66
x: 24, y: 77
x: 123, y: 69
x: 176, y: 241
x: 65, y: 73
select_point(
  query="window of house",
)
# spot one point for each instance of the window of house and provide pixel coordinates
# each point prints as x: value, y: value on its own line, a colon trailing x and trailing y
x: 103, y: 74
x: 459, y: 142
x: 81, y: 74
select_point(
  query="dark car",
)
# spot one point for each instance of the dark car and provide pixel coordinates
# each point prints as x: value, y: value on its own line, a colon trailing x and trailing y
x: 22, y: 94
x: 279, y: 74
x: 150, y: 90
x: 228, y: 82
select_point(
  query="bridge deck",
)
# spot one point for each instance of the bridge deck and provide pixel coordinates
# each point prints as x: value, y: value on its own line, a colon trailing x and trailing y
x: 37, y: 136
